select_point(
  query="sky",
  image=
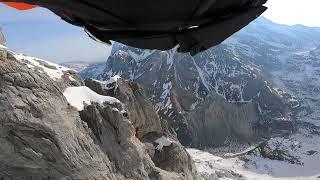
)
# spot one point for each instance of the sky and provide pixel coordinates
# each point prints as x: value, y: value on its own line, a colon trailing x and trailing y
x: 292, y: 12
x: 40, y: 33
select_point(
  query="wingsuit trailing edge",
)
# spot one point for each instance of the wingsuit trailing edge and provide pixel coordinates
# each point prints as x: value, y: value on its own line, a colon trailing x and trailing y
x: 192, y: 25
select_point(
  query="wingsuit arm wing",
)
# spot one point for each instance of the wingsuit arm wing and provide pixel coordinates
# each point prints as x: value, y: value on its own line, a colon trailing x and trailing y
x: 193, y: 25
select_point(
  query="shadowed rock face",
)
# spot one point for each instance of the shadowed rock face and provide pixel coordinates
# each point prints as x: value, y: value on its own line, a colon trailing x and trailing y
x: 217, y: 120
x: 42, y: 136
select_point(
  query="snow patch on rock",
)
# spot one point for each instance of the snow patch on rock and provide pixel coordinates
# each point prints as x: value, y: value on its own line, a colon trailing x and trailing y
x: 72, y: 79
x: 78, y: 97
x: 166, y: 90
x: 138, y: 57
x: 3, y: 47
x: 163, y: 141
x: 113, y: 79
x: 110, y: 83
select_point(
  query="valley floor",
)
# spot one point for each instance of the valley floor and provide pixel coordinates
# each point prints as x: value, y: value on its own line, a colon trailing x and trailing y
x: 251, y: 167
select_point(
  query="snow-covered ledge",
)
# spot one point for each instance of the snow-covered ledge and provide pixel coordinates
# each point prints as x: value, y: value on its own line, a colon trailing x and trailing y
x: 79, y: 96
x: 3, y: 47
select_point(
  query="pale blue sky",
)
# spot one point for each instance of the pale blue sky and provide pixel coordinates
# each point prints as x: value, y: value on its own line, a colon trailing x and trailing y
x: 40, y: 33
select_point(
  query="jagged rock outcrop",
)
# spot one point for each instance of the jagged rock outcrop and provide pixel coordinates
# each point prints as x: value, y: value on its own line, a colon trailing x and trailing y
x: 43, y: 135
x: 140, y: 110
x: 146, y: 124
x: 2, y: 38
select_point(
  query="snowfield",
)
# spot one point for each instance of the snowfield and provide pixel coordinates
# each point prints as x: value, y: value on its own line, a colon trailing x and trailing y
x: 55, y: 71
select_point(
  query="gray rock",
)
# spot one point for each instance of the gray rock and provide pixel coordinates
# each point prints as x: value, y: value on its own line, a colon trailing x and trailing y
x: 216, y: 122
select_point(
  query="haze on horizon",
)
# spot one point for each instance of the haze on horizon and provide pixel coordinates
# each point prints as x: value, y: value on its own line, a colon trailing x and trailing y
x: 40, y: 33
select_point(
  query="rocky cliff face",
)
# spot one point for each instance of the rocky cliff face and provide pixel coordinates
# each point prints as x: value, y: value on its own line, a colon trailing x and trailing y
x: 54, y: 127
x: 140, y: 110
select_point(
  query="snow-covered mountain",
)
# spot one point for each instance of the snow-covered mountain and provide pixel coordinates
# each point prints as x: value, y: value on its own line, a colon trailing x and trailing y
x: 260, y: 83
x: 288, y: 56
x: 206, y: 98
x: 202, y: 96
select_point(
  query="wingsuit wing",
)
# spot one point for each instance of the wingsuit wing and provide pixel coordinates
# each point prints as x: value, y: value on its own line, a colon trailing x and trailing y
x: 20, y: 6
x: 193, y: 25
